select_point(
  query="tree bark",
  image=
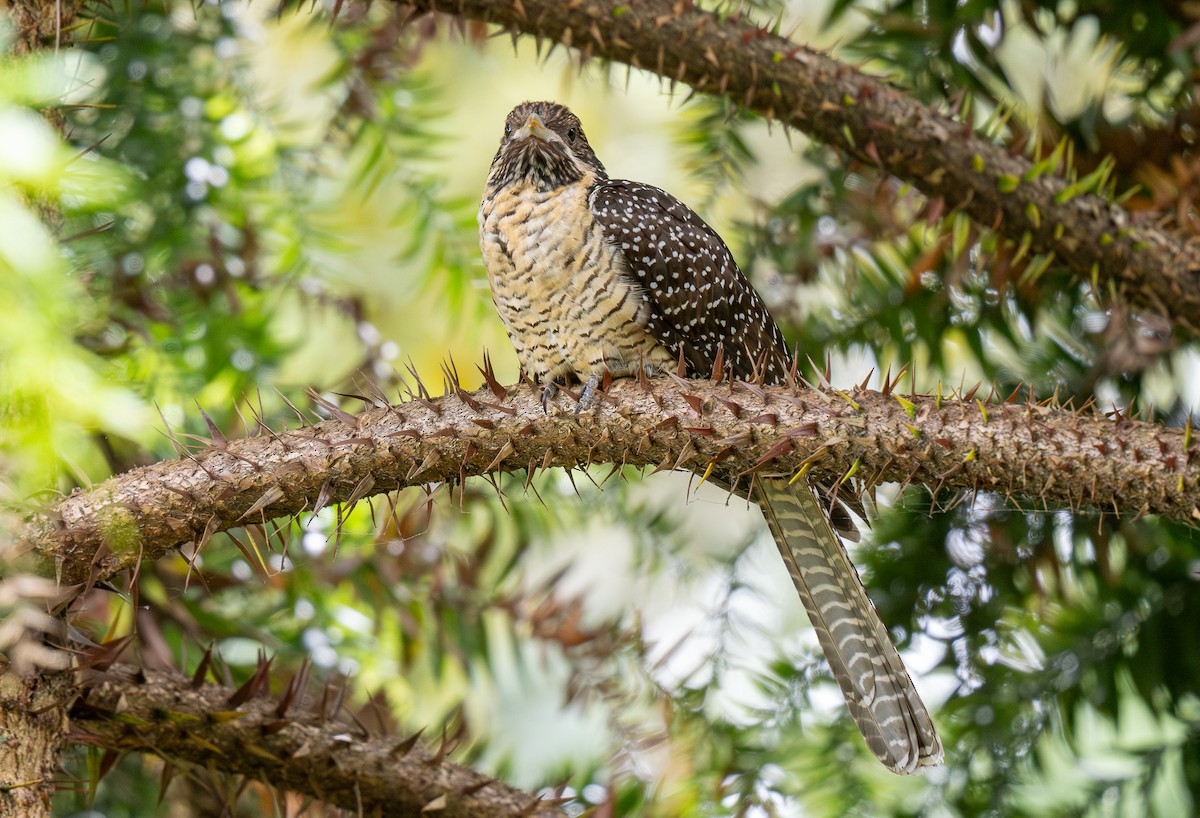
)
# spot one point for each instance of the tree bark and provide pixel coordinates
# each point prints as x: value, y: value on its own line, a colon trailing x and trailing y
x: 1053, y: 457
x: 33, y: 708
x: 190, y: 723
x: 845, y: 108
x: 33, y: 726
x: 40, y: 24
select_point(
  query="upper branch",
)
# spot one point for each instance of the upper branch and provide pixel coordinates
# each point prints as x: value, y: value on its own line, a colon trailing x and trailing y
x: 845, y: 108
x: 180, y: 721
x: 1057, y: 457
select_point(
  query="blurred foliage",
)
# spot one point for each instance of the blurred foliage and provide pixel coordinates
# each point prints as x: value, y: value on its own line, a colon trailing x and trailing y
x: 247, y: 201
x: 43, y: 425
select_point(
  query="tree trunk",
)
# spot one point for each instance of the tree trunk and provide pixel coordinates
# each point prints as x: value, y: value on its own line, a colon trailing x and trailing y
x: 33, y: 726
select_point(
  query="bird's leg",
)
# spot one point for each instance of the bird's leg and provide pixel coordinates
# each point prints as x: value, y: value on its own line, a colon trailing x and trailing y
x: 589, y: 395
x: 548, y: 393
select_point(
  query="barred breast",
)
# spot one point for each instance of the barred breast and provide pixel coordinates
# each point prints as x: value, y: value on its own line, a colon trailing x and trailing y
x: 562, y: 291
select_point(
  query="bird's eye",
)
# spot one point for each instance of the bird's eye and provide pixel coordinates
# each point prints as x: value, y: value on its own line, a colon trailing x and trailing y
x: 571, y: 134
x: 507, y: 129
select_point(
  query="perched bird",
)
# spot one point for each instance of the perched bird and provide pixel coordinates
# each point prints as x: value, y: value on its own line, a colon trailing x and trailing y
x: 593, y: 275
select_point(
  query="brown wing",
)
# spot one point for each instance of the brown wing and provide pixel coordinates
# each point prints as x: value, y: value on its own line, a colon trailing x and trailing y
x: 699, y: 300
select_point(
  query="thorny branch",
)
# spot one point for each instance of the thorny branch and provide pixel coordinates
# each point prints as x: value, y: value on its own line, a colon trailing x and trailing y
x: 1051, y: 456
x: 204, y: 725
x: 845, y: 108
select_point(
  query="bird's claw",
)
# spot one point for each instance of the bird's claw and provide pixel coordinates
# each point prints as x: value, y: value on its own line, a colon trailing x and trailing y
x: 548, y: 393
x: 589, y: 395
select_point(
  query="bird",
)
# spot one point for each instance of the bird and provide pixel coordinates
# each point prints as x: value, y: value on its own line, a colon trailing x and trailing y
x: 596, y: 277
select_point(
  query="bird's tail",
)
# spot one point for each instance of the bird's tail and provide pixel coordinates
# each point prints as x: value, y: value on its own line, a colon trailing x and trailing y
x: 877, y: 687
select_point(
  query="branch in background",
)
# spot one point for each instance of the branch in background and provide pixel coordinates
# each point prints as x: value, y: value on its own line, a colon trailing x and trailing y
x: 40, y: 24
x: 842, y: 107
x: 1057, y: 457
x: 179, y: 721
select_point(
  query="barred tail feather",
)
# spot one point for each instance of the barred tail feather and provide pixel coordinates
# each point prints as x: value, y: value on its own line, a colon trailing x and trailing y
x: 877, y: 687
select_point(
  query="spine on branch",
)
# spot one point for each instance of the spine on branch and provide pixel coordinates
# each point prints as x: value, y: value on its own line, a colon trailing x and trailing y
x: 237, y: 731
x: 1039, y: 456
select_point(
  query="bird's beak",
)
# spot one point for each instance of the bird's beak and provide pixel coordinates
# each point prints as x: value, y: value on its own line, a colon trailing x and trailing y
x: 535, y: 127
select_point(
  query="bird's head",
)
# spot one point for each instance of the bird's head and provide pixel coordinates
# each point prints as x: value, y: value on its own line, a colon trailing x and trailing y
x: 543, y: 144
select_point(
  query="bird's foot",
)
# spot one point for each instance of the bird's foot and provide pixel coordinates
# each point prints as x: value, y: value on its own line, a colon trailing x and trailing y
x: 589, y: 396
x: 548, y: 393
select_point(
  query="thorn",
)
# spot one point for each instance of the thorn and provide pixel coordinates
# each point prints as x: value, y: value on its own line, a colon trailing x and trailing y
x: 347, y: 419
x: 759, y: 370
x: 422, y: 394
x: 489, y: 377
x: 379, y: 398
x: 295, y: 687
x: 781, y: 448
x: 471, y: 789
x: 506, y: 451
x: 441, y: 802
x: 349, y: 396
x: 737, y: 441
x: 468, y: 453
x: 253, y: 686
x: 431, y: 460
x: 822, y: 379
x: 616, y: 467
x: 164, y: 781
x: 332, y: 698
x: 644, y: 383
x: 531, y: 807
x: 718, y: 364
x: 300, y: 415
x: 671, y: 422
x: 665, y: 465
x: 323, y: 495
x: 202, y: 668
x: 360, y: 491
x: 218, y: 438
x: 734, y: 408
x: 210, y: 528
x: 571, y: 476
x: 853, y: 403
x: 169, y: 433
x: 272, y: 495
x: 685, y: 455
x: 853, y: 470
x: 102, y: 657
x: 184, y: 493
x: 405, y: 747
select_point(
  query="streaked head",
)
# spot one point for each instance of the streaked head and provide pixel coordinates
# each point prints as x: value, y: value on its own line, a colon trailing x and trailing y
x: 544, y: 144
